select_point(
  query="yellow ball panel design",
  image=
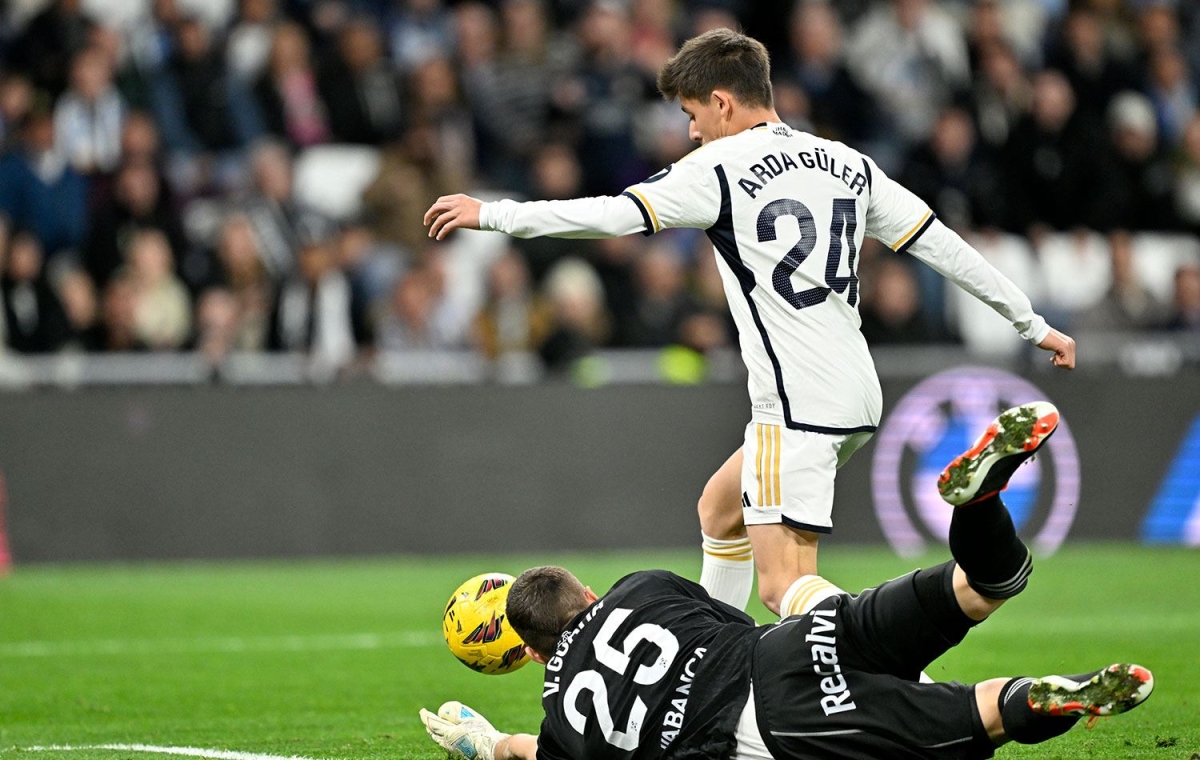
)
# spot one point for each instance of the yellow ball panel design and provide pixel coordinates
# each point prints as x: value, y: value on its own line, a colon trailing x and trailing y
x: 476, y: 627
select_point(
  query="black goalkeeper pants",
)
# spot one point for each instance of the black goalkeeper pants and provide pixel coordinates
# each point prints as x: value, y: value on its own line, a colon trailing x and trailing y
x: 841, y: 681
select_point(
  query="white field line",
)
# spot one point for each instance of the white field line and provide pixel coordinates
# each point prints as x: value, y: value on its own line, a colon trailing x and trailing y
x: 336, y: 642
x: 216, y: 754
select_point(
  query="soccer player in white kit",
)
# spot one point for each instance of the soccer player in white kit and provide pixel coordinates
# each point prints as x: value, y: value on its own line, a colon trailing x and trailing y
x: 787, y: 213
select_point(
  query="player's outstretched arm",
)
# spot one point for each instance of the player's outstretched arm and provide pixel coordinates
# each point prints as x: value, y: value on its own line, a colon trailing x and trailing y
x: 1062, y: 346
x: 956, y: 260
x: 601, y: 217
x: 685, y: 194
x: 902, y: 221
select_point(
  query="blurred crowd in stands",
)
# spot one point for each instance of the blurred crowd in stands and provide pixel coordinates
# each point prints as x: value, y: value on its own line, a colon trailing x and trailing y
x: 250, y: 175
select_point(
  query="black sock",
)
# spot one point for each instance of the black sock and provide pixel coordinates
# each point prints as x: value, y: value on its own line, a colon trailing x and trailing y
x: 934, y: 589
x: 985, y: 545
x: 1021, y: 723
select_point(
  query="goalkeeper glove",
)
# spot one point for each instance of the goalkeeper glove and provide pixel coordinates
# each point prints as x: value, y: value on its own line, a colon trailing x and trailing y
x: 462, y: 732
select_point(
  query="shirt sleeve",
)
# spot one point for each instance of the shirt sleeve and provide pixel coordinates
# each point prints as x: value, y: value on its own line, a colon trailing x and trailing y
x: 601, y: 217
x: 685, y: 194
x: 900, y: 220
x: 950, y: 256
x: 896, y: 217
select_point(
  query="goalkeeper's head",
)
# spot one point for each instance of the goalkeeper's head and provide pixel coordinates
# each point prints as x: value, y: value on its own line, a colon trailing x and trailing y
x: 541, y: 602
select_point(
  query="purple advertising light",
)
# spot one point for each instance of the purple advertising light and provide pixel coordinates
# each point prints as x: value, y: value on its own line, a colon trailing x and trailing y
x: 938, y: 419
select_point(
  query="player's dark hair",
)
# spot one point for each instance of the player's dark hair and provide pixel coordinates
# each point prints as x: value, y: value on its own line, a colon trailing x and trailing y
x: 541, y: 603
x: 721, y: 59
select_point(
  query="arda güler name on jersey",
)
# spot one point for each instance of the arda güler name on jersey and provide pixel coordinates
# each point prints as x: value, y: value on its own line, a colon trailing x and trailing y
x: 771, y: 166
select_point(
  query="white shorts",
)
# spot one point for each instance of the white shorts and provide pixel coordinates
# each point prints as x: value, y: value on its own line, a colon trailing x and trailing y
x: 787, y: 475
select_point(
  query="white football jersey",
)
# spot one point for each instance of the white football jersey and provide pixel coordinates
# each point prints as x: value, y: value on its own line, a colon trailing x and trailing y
x: 787, y: 212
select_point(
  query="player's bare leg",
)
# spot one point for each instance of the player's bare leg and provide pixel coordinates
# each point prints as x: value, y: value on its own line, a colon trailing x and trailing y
x: 782, y: 555
x: 987, y: 699
x: 727, y: 569
x: 796, y: 569
x: 785, y: 558
x: 720, y: 505
x: 974, y: 605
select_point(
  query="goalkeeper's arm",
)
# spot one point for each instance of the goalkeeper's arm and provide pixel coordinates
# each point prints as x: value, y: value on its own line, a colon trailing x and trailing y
x: 517, y: 747
x: 467, y: 735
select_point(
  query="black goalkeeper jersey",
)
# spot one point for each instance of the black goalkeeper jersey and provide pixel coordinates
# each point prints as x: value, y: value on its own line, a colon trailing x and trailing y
x: 657, y: 669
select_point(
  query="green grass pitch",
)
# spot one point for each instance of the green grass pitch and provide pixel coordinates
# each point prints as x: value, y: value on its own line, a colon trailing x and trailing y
x: 331, y: 659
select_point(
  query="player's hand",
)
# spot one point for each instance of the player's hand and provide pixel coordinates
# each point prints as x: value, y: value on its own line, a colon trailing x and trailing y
x: 462, y: 732
x: 451, y: 212
x: 1063, y: 346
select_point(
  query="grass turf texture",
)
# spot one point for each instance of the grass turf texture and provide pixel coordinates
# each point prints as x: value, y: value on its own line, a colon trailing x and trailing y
x: 332, y: 658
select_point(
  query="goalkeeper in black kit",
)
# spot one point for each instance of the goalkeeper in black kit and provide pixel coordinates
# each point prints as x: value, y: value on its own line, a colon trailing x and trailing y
x: 658, y: 669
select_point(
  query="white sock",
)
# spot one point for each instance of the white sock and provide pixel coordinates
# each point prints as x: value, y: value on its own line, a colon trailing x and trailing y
x: 727, y: 572
x: 806, y: 592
